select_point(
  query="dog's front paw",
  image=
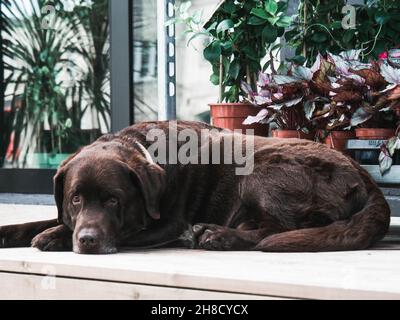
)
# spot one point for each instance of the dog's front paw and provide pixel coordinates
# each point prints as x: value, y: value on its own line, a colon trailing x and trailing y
x: 54, y: 239
x: 214, y: 237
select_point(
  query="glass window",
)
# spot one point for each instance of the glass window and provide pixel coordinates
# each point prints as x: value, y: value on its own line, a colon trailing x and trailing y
x: 145, y: 60
x: 56, y: 79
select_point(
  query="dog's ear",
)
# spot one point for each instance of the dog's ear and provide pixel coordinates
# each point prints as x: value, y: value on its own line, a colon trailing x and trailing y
x: 58, y: 183
x: 152, y: 181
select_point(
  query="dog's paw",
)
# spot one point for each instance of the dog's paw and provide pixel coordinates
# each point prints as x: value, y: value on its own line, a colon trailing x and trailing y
x: 188, y: 239
x: 53, y: 239
x: 214, y: 237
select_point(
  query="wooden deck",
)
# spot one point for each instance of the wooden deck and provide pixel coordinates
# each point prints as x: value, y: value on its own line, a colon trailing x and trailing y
x: 194, y: 274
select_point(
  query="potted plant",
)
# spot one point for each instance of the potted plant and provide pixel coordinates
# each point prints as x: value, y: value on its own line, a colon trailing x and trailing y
x: 48, y: 110
x: 322, y: 27
x: 281, y: 101
x: 239, y: 34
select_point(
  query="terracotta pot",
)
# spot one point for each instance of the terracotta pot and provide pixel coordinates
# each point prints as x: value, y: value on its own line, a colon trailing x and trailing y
x: 337, y: 139
x: 292, y: 134
x: 396, y: 110
x: 374, y: 133
x: 231, y: 116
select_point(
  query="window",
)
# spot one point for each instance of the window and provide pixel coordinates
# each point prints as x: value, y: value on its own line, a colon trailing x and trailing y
x: 56, y: 93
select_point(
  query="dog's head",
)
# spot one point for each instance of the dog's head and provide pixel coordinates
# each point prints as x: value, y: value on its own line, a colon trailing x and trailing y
x: 107, y: 193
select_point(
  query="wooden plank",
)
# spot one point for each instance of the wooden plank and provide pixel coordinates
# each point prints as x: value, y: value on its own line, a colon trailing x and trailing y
x: 33, y: 287
x: 369, y: 274
x: 21, y: 213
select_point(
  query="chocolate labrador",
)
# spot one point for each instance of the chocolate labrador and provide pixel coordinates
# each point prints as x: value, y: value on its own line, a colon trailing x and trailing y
x: 300, y: 196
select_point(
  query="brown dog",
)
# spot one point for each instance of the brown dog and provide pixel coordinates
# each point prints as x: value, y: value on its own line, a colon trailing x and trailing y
x: 301, y: 196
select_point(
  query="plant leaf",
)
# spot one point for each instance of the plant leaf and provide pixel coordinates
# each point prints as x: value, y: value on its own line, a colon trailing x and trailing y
x: 213, y: 51
x: 269, y: 34
x: 391, y: 75
x: 392, y: 145
x: 309, y: 107
x: 257, y: 118
x: 259, y: 12
x: 225, y: 25
x: 282, y: 79
x: 385, y: 161
x: 271, y: 7
x: 360, y: 116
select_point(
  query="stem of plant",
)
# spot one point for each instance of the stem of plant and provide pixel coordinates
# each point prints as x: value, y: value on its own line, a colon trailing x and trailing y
x: 248, y: 77
x: 221, y: 81
x: 305, y: 27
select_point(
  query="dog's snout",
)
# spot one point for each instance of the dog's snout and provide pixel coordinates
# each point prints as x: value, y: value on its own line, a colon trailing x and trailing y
x: 88, y: 237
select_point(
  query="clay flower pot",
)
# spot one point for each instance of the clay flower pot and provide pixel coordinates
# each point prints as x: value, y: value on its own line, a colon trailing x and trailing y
x: 292, y: 134
x: 337, y: 139
x: 374, y: 133
x: 231, y: 116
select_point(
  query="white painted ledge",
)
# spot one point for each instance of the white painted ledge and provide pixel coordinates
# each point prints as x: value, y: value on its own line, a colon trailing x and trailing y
x: 196, y: 274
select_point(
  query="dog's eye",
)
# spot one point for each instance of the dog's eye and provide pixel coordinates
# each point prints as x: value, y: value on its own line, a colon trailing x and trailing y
x: 112, y: 201
x: 76, y: 199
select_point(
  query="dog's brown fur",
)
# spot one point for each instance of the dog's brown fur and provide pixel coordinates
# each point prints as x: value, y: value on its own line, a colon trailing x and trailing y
x: 301, y: 196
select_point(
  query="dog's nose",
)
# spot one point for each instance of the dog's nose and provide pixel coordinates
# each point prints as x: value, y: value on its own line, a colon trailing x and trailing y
x: 88, y: 237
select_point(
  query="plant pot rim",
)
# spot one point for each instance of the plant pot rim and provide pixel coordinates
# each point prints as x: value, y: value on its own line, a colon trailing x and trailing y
x: 233, y: 104
x: 375, y: 129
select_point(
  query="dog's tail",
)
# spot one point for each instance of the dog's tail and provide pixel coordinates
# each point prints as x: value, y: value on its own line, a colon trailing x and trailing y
x: 360, y: 231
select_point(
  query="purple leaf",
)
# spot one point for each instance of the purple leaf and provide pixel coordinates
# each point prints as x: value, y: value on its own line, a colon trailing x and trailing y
x: 385, y: 160
x: 302, y: 73
x: 264, y: 79
x: 260, y: 100
x: 391, y: 75
x: 360, y: 116
x: 317, y: 64
x: 256, y: 119
x: 247, y: 88
x: 282, y: 79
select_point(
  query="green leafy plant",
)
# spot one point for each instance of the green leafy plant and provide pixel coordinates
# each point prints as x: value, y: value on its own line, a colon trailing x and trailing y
x: 238, y: 36
x: 318, y: 29
x: 47, y: 106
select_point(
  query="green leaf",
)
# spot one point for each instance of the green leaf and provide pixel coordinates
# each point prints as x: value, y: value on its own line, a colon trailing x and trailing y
x: 281, y: 31
x: 213, y: 51
x: 214, y: 79
x: 234, y: 69
x: 269, y: 34
x: 298, y: 59
x: 256, y: 21
x: 271, y: 7
x: 227, y: 47
x: 259, y: 12
x: 68, y: 123
x: 273, y: 20
x: 225, y: 25
x: 319, y: 37
x: 336, y: 25
x: 382, y: 17
x: 348, y: 36
x: 284, y: 21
